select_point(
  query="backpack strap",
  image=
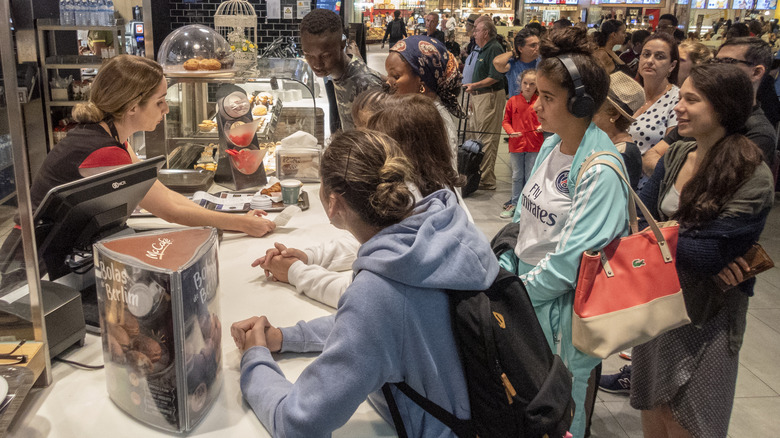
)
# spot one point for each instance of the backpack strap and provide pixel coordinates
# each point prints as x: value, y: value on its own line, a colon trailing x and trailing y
x: 398, y: 422
x: 461, y: 428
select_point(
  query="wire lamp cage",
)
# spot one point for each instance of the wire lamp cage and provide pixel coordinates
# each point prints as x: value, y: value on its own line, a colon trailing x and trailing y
x: 236, y: 20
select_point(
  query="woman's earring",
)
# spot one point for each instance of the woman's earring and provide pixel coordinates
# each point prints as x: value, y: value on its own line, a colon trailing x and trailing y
x: 422, y: 88
x: 611, y: 120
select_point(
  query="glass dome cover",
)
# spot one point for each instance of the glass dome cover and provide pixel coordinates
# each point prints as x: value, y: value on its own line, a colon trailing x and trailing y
x: 195, y: 49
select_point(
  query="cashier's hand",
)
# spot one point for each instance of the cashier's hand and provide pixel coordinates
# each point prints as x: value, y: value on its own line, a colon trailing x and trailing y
x: 254, y: 224
x: 256, y: 331
x: 277, y: 261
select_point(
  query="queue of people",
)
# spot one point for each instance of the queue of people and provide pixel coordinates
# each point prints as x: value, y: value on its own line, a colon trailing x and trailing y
x: 389, y: 181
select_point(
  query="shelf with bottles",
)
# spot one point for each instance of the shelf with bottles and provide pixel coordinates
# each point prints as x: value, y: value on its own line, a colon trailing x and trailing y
x: 87, y: 13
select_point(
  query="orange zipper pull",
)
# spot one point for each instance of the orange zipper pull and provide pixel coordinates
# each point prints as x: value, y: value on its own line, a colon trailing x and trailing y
x: 510, y: 390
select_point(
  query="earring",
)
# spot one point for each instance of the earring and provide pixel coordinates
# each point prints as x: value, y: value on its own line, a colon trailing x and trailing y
x: 612, y: 120
x: 422, y: 88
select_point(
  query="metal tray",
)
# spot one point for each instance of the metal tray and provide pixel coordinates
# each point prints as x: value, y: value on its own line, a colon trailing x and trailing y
x: 186, y: 180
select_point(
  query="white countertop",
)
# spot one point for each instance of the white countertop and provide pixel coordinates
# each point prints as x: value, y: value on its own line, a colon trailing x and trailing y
x: 77, y: 403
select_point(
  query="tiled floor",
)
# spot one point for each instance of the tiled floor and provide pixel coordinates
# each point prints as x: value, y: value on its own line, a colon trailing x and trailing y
x: 757, y: 402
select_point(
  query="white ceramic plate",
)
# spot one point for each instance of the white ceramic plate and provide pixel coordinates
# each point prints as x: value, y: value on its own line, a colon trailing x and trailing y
x: 3, y: 388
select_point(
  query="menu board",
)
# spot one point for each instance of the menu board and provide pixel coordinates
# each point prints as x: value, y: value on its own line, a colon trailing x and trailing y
x: 643, y: 2
x: 766, y: 4
x: 699, y: 4
x: 682, y: 2
x: 717, y: 4
x: 742, y: 4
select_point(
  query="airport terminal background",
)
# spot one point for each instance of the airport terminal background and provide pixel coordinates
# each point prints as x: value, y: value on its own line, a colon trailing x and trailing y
x: 757, y: 400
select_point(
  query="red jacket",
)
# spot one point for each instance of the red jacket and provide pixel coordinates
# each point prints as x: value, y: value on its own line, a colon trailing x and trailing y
x: 520, y: 116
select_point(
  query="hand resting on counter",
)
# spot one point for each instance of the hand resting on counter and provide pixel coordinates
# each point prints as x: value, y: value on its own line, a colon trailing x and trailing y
x: 277, y: 261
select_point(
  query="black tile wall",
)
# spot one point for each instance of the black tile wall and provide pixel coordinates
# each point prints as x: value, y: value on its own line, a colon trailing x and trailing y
x: 184, y: 12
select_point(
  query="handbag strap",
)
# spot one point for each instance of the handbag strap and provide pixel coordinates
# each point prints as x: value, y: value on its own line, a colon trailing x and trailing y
x: 633, y: 202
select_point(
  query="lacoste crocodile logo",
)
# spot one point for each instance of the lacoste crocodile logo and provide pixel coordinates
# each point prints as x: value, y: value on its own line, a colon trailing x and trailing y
x: 638, y: 263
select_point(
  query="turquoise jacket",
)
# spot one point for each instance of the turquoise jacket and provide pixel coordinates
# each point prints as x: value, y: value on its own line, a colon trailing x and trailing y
x: 598, y: 215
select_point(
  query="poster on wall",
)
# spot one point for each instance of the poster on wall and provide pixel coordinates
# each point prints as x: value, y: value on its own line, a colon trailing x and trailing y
x: 766, y: 4
x: 717, y: 4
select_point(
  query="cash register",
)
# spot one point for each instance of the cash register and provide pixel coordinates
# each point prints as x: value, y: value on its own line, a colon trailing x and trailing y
x: 68, y: 221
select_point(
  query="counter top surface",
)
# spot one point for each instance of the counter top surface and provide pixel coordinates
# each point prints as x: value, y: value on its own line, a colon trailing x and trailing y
x: 77, y: 402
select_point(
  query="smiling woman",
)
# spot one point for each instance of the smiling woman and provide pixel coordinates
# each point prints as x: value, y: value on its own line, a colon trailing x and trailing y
x: 128, y: 96
x: 721, y: 192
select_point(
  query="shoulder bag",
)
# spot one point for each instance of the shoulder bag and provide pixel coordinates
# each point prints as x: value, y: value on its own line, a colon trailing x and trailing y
x: 628, y: 292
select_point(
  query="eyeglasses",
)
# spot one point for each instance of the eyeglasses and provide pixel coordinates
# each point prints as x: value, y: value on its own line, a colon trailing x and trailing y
x: 727, y: 60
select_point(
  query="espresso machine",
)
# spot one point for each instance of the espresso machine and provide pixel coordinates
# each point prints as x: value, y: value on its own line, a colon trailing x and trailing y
x: 135, y: 33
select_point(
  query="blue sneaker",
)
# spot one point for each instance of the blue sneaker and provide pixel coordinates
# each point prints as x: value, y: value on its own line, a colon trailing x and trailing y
x: 619, y: 383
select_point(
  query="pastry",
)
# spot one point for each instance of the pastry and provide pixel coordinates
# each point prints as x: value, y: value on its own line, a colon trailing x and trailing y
x: 210, y: 64
x: 259, y: 110
x: 191, y: 64
x: 276, y: 188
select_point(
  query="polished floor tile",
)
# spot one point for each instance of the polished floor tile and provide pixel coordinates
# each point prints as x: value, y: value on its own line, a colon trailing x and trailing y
x: 604, y: 424
x: 755, y: 417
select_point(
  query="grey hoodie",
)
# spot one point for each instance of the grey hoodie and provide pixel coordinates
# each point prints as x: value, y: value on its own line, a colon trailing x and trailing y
x: 392, y: 325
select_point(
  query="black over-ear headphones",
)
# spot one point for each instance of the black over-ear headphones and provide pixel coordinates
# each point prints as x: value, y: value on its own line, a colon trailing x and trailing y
x: 580, y: 105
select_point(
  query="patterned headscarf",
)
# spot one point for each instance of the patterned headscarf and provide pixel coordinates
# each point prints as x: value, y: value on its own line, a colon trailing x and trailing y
x: 435, y: 66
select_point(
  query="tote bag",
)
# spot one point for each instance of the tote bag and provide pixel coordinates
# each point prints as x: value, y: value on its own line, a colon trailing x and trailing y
x: 627, y: 293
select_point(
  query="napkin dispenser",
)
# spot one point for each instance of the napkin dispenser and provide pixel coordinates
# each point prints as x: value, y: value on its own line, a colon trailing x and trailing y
x: 299, y: 157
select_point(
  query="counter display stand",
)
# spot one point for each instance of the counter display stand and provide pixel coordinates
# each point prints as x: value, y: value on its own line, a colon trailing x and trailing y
x: 189, y: 136
x: 51, y: 61
x: 79, y: 404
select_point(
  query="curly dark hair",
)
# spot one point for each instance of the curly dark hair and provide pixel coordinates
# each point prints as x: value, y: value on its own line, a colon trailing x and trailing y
x: 319, y: 21
x: 573, y: 41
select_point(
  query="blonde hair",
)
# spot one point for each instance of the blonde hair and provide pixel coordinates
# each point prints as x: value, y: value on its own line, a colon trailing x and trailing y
x: 123, y: 82
x: 370, y: 171
x: 697, y: 52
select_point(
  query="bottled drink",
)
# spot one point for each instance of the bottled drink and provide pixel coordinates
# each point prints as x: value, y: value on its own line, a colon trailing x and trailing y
x: 63, y: 20
x: 110, y: 12
x: 80, y: 12
x: 93, y: 18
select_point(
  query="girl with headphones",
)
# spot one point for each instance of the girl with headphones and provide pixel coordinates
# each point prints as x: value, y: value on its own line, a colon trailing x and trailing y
x: 559, y: 216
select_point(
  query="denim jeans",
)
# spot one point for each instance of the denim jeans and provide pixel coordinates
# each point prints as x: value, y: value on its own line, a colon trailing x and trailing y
x: 522, y: 164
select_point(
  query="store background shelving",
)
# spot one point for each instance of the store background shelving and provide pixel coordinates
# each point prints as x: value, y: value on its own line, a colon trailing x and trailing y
x: 51, y: 61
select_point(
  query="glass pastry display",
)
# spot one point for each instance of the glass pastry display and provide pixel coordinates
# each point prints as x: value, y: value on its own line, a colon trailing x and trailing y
x: 195, y: 50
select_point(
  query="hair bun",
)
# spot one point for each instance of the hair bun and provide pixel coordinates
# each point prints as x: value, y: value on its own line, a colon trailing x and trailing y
x: 566, y: 41
x: 87, y: 113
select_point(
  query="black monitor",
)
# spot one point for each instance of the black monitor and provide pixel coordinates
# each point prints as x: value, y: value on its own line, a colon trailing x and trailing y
x: 75, y: 215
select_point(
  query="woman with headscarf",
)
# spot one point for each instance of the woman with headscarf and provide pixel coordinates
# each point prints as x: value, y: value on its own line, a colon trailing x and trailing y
x: 421, y: 64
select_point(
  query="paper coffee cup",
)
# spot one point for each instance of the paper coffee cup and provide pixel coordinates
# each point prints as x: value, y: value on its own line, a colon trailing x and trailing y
x: 291, y: 188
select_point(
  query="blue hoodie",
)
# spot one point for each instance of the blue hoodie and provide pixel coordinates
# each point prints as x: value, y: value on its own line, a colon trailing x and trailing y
x: 392, y: 325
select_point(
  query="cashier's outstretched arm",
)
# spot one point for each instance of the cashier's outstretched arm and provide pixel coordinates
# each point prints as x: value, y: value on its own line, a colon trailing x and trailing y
x: 173, y: 207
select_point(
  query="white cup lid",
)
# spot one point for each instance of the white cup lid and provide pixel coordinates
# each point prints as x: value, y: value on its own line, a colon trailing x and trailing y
x: 290, y: 183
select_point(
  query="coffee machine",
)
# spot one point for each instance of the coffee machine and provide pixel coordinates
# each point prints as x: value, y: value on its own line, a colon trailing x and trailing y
x: 135, y: 33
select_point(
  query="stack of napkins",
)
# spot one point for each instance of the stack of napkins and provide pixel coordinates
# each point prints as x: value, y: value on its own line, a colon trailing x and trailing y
x: 260, y: 202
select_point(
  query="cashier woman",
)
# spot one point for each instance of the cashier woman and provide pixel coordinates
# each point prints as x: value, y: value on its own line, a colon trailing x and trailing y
x: 128, y: 96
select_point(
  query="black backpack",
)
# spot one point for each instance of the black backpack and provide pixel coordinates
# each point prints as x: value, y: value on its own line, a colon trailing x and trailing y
x: 517, y: 387
x: 396, y: 31
x: 469, y: 159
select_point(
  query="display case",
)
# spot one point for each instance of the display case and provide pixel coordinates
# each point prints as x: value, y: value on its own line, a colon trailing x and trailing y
x: 282, y: 93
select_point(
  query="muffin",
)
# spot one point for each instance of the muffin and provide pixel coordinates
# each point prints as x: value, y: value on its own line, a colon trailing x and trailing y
x: 191, y: 64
